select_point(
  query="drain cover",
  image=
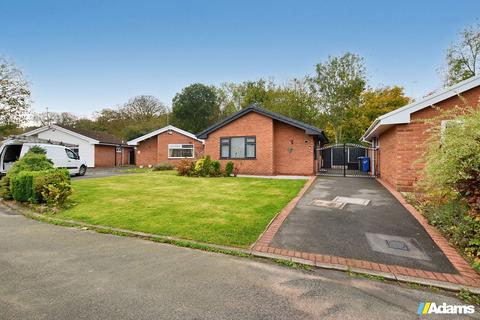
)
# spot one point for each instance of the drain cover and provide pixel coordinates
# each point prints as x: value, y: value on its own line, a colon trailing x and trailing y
x: 398, y: 245
x: 327, y: 204
x: 349, y: 200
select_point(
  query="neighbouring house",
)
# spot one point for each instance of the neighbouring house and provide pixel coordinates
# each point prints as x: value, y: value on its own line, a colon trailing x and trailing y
x: 166, y: 144
x: 98, y: 149
x: 262, y: 142
x: 401, y: 135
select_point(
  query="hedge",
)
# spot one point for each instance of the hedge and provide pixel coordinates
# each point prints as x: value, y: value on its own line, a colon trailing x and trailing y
x: 29, y: 186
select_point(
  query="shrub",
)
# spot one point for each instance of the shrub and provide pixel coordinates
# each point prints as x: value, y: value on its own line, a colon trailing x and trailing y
x: 31, y: 162
x: 452, y: 219
x: 216, y: 168
x: 22, y: 186
x: 452, y: 182
x: 48, y: 186
x: 53, y: 187
x: 203, y: 167
x: 229, y: 168
x: 453, y: 160
x: 5, y: 188
x: 186, y: 167
x: 55, y: 195
x: 163, y: 166
x: 206, y: 167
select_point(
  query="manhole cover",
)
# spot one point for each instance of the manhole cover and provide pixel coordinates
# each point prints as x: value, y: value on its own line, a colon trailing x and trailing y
x: 327, y: 204
x: 349, y: 200
x: 398, y: 245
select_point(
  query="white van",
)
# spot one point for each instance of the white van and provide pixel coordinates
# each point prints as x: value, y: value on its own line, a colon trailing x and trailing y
x: 61, y: 155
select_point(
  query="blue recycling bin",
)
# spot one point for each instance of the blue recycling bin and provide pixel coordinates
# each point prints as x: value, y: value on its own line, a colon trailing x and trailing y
x: 365, y: 164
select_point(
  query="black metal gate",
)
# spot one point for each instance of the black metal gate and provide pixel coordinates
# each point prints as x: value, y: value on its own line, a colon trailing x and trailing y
x: 348, y: 160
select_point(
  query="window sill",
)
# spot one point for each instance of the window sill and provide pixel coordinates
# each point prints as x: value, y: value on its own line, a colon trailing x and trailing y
x: 181, y: 158
x: 238, y: 158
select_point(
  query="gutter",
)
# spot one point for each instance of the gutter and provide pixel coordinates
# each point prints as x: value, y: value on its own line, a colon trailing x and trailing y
x: 372, y: 126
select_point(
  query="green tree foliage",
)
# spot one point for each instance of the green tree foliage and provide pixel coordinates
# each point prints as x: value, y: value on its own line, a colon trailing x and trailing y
x: 196, y: 107
x: 14, y: 97
x: 373, y: 103
x: 338, y: 85
x: 463, y: 57
x: 293, y: 99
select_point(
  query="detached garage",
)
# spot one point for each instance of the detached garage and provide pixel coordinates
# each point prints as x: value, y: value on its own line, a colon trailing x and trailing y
x: 98, y: 149
x: 402, y: 135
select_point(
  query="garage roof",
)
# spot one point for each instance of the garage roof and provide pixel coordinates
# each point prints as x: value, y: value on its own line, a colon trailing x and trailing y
x: 402, y: 115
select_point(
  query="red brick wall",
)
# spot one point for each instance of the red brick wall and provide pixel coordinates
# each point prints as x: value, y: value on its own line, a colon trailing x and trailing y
x: 147, y: 152
x: 155, y: 149
x: 164, y: 139
x: 387, y: 155
x: 293, y: 150
x: 107, y: 156
x: 275, y: 153
x: 251, y: 124
x: 403, y: 147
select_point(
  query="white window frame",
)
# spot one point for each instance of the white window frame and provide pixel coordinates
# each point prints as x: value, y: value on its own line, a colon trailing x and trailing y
x: 180, y: 146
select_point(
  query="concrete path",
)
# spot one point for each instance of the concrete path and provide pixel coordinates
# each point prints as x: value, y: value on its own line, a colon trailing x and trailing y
x: 52, y: 272
x: 359, y: 231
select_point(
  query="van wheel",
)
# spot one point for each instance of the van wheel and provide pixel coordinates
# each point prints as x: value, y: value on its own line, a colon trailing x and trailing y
x: 82, y: 171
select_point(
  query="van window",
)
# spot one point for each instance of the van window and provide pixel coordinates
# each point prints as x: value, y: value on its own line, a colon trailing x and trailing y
x: 71, y: 154
x: 12, y: 153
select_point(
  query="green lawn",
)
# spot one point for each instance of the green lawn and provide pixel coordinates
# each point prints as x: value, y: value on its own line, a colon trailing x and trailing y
x: 228, y: 211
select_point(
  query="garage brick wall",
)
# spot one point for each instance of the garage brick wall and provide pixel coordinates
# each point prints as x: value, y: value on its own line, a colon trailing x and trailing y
x: 104, y: 156
x: 107, y: 156
x: 403, y: 147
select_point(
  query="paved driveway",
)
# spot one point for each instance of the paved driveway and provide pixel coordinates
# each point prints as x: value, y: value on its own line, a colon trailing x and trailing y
x: 52, y: 272
x: 102, y: 172
x: 382, y: 231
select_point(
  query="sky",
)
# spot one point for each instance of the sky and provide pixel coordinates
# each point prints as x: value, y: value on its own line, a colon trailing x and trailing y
x: 82, y: 56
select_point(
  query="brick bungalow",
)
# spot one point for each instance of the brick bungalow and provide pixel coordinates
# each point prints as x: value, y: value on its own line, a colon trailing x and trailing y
x: 401, y: 135
x: 262, y: 142
x: 166, y: 144
x: 98, y: 149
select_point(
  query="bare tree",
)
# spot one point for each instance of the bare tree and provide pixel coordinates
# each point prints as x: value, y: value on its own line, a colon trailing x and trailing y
x: 65, y: 119
x: 14, y: 94
x: 143, y: 108
x: 463, y: 57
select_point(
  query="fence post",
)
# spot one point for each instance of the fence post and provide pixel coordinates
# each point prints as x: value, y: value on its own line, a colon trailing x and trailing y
x: 344, y: 161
